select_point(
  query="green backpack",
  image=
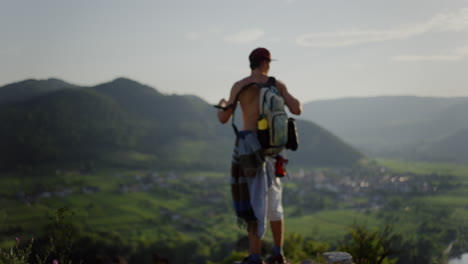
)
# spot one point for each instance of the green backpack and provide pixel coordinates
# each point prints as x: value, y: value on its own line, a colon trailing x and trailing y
x: 274, y: 129
x: 273, y: 120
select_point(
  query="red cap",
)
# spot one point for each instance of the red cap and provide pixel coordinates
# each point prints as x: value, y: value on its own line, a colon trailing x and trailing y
x: 259, y: 54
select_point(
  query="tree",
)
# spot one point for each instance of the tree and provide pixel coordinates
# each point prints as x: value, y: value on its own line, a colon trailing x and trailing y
x: 372, y: 246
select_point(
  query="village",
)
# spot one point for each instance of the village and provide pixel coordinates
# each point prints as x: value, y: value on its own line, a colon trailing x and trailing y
x: 343, y: 185
x: 365, y: 188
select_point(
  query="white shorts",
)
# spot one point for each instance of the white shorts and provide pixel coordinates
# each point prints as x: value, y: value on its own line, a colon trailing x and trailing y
x: 274, y: 204
x: 265, y: 193
x: 274, y: 194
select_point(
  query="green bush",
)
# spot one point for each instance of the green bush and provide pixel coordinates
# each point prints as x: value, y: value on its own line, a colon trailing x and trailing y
x: 371, y: 246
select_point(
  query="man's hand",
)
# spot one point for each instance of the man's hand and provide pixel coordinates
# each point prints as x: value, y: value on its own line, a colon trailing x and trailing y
x: 226, y: 108
x: 224, y: 111
x: 222, y: 103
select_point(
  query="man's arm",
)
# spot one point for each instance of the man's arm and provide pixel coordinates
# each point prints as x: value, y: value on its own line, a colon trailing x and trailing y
x: 231, y: 104
x: 293, y: 104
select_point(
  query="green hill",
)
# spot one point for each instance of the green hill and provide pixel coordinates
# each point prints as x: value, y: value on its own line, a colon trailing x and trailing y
x: 391, y: 126
x: 125, y: 123
x: 318, y: 146
x: 181, y: 130
x: 62, y: 126
x: 453, y: 148
x: 21, y: 91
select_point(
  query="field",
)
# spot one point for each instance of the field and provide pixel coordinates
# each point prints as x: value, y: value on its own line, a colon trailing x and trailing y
x: 132, y: 203
x: 329, y: 225
x: 456, y: 199
x: 117, y: 202
x: 144, y: 207
x: 460, y: 170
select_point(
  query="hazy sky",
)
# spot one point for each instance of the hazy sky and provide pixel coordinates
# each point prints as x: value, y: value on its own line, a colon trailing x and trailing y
x: 325, y: 49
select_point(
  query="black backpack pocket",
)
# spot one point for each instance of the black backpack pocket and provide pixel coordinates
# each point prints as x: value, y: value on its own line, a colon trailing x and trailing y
x: 293, y: 141
x: 264, y: 137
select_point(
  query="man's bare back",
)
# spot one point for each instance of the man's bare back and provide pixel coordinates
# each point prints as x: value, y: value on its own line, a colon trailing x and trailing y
x: 248, y: 100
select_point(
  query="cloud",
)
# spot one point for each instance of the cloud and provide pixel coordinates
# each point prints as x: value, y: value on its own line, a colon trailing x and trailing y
x: 245, y: 36
x: 193, y: 35
x: 462, y: 50
x: 210, y: 32
x: 455, y: 55
x: 354, y: 37
x: 215, y: 30
x: 415, y: 58
x: 451, y: 22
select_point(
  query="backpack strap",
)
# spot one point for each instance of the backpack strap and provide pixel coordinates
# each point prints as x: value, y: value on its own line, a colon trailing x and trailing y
x: 234, y: 127
x: 270, y: 82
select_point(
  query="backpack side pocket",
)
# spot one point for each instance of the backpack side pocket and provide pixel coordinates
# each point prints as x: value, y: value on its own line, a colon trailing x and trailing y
x: 293, y: 139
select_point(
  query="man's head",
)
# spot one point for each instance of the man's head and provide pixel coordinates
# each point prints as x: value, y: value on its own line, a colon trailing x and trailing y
x: 259, y: 57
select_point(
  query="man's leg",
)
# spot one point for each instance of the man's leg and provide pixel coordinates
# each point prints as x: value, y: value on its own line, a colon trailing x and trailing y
x: 276, y: 217
x: 255, y: 243
x: 277, y: 229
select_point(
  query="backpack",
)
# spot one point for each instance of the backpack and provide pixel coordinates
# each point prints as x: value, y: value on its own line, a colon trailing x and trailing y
x: 273, y: 121
x: 272, y: 134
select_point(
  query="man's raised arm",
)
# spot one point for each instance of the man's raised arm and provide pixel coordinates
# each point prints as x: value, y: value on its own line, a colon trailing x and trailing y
x: 293, y: 104
x: 228, y: 106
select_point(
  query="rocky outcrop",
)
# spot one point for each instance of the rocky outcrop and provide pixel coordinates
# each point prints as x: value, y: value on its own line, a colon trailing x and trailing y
x: 330, y: 258
x: 338, y: 258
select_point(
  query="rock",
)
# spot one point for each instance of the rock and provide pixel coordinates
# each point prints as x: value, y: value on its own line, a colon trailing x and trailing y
x: 338, y: 258
x: 308, y: 261
x: 157, y: 259
x: 111, y: 260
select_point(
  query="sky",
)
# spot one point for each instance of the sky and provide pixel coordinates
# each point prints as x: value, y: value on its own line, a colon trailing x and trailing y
x: 324, y: 49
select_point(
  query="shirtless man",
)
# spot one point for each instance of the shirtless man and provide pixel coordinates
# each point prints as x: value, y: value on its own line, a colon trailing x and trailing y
x: 260, y: 59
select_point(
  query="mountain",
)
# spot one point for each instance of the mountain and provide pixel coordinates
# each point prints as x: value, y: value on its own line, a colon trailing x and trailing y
x: 390, y: 126
x: 125, y: 123
x: 61, y: 126
x: 21, y: 91
x: 318, y: 146
x: 453, y: 148
x: 165, y: 112
x: 454, y: 116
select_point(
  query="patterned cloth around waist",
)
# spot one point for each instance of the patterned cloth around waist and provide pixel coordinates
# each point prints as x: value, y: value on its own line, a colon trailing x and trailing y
x: 247, y: 162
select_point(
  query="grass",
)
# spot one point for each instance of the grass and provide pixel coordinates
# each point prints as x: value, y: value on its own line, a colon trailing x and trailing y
x: 458, y: 170
x: 447, y: 200
x: 130, y: 214
x: 329, y: 225
x: 456, y: 199
x: 211, y: 174
x: 461, y: 215
x: 142, y: 215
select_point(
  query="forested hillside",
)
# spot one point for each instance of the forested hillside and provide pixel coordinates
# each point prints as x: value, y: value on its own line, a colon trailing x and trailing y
x: 125, y: 123
x: 23, y: 90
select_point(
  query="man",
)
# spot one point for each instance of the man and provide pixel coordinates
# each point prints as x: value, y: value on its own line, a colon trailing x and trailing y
x: 263, y: 188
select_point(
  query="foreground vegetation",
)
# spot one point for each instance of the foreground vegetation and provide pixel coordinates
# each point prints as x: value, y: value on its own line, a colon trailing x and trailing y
x: 418, y: 217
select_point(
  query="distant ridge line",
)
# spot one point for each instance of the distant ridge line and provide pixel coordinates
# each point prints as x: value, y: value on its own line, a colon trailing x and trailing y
x: 387, y: 96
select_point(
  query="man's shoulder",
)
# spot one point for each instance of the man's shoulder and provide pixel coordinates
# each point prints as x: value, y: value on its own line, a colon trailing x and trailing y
x: 245, y: 81
x: 279, y: 83
x: 251, y: 80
